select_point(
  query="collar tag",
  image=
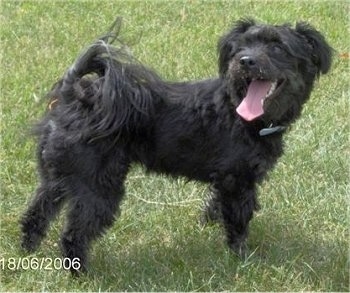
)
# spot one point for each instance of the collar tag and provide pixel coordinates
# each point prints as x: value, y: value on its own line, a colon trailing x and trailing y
x: 271, y: 130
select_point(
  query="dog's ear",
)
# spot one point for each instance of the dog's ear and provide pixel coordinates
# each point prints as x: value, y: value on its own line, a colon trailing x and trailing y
x: 228, y: 42
x: 321, y: 51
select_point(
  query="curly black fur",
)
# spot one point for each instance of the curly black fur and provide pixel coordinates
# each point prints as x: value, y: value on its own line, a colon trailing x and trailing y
x: 109, y: 111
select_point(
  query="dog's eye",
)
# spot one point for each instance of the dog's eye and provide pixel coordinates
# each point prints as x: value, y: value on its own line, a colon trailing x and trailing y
x: 277, y: 48
x: 234, y: 51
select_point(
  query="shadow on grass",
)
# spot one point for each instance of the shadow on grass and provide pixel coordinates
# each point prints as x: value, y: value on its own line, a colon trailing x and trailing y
x: 282, y: 259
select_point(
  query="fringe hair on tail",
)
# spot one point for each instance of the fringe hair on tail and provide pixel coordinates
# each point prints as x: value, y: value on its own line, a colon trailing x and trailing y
x: 110, y: 88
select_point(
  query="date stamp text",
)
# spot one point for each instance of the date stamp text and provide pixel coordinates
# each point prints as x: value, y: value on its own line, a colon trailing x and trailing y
x: 34, y: 263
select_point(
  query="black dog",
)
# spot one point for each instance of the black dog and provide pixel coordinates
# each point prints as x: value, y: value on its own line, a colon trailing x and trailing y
x: 109, y: 111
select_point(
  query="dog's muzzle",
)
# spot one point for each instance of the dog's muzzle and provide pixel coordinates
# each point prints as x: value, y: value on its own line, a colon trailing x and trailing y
x: 259, y: 85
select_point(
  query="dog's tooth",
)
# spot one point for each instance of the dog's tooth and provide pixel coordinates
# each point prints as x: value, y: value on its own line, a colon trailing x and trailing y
x: 272, y: 89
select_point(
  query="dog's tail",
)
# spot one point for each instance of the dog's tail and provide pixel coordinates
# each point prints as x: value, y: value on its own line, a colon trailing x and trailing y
x: 113, y: 92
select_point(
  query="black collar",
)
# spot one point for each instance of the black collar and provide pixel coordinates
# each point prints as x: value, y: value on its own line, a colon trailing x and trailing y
x: 271, y: 130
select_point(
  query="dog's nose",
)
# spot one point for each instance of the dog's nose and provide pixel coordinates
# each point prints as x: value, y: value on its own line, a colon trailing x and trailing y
x: 247, y: 61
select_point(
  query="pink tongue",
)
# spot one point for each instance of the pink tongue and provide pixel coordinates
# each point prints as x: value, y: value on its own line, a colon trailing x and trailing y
x: 251, y: 106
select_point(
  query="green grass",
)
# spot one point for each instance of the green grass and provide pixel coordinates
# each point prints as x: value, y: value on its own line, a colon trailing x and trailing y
x: 300, y: 238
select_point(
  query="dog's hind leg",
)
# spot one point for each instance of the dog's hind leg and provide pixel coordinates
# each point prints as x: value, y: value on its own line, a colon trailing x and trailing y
x: 92, y: 208
x: 45, y: 205
x: 42, y: 210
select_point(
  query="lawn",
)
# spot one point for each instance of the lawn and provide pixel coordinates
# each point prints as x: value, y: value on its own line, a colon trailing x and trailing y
x: 299, y: 240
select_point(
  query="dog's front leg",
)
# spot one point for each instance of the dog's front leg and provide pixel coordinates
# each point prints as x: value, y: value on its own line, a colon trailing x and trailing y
x: 211, y: 211
x: 237, y: 207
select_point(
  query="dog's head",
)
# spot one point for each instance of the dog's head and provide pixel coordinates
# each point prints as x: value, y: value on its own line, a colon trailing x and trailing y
x: 270, y: 70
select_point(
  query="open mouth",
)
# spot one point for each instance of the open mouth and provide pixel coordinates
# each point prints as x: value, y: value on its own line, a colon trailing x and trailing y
x: 257, y: 91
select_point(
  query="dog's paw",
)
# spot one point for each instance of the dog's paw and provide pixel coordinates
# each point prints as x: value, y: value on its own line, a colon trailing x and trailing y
x: 239, y: 248
x: 77, y: 272
x: 30, y: 242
